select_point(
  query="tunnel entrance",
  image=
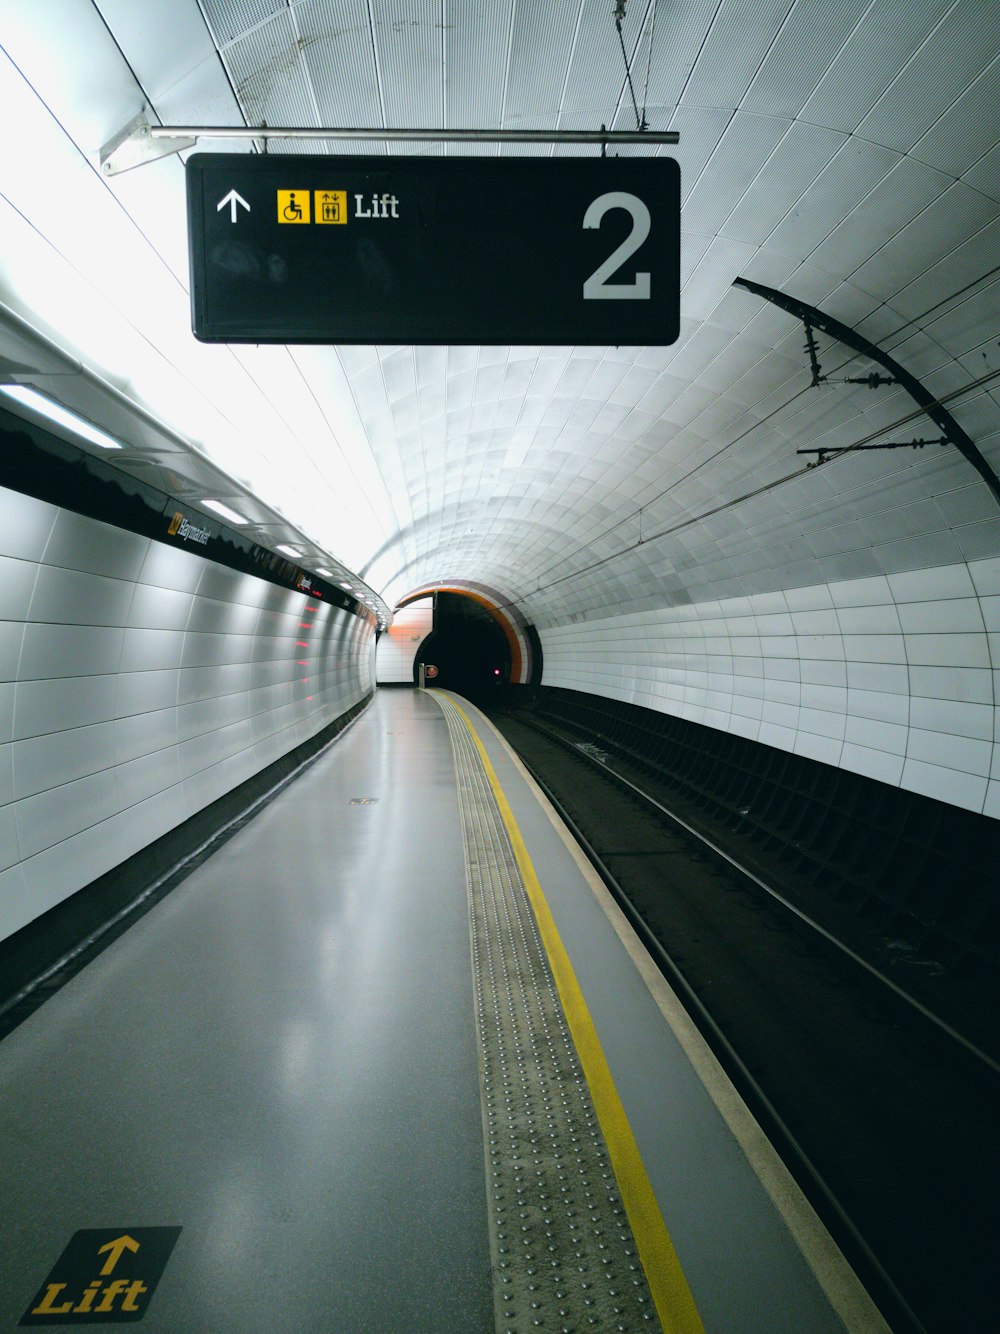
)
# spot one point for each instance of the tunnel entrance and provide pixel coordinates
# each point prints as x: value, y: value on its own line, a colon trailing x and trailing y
x: 467, y: 646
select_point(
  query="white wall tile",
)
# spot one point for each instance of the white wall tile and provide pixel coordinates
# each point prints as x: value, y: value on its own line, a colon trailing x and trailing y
x: 824, y: 749
x: 947, y: 616
x: 25, y: 525
x: 913, y: 650
x: 144, y: 734
x: 59, y: 703
x: 953, y: 717
x: 985, y: 576
x: 950, y: 650
x: 143, y: 777
x: 195, y: 683
x: 876, y: 734
x: 11, y: 639
x: 874, y: 620
x: 150, y: 650
x: 6, y: 711
x: 158, y: 608
x: 945, y: 784
x: 971, y: 685
x: 70, y: 597
x: 952, y: 752
x: 79, y: 543
x: 15, y: 903
x: 17, y: 580
x: 45, y: 762
x: 61, y: 812
x: 81, y: 791
x: 877, y: 764
x: 820, y: 722
x: 942, y: 582
x: 69, y: 650
x: 9, y: 852
x: 138, y: 691
x: 888, y: 678
x: 170, y: 567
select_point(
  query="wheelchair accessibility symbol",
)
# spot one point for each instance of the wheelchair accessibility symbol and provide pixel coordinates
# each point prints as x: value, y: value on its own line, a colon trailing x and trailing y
x: 294, y: 206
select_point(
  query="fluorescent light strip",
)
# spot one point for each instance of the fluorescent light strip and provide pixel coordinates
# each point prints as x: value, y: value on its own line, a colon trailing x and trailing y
x: 226, y: 513
x: 289, y: 551
x: 55, y: 412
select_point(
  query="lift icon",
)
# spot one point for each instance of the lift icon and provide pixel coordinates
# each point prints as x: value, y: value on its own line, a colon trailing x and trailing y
x: 103, y: 1276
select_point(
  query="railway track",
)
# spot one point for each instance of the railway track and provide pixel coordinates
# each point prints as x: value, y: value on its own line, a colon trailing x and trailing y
x: 885, y: 1113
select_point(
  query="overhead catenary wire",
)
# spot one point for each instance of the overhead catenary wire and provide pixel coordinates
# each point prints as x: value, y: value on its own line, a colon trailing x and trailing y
x: 727, y: 504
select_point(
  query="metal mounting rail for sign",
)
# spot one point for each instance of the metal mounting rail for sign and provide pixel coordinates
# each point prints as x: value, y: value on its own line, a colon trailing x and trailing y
x: 141, y: 142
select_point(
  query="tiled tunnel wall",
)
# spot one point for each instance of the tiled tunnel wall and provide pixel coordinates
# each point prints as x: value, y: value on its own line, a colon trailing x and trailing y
x: 893, y: 677
x: 138, y: 683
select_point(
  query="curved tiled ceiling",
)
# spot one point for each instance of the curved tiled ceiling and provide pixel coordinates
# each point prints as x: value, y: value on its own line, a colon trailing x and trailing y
x: 845, y: 153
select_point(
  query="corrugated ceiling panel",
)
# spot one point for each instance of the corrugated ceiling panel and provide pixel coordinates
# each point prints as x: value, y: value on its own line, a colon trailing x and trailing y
x: 542, y: 39
x: 269, y: 73
x: 869, y: 61
x: 985, y: 175
x: 805, y: 47
x: 941, y: 71
x: 795, y: 163
x: 745, y: 147
x: 937, y: 231
x: 967, y: 130
x: 851, y: 174
x: 700, y: 132
x: 891, y: 206
x: 476, y: 64
x: 337, y: 48
x: 740, y: 38
x: 409, y: 54
x: 230, y: 18
x: 680, y: 32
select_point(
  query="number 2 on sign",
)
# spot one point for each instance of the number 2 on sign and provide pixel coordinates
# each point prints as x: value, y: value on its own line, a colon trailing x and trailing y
x: 597, y: 287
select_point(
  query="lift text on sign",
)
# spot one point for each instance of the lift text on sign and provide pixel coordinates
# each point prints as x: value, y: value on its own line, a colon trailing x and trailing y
x: 434, y: 250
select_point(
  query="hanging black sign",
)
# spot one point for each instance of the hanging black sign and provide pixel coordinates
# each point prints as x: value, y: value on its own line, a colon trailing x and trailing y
x: 303, y: 249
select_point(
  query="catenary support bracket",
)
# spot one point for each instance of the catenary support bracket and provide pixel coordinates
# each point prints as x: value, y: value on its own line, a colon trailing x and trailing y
x: 922, y: 396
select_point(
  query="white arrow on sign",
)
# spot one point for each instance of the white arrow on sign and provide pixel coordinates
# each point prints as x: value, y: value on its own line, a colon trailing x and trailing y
x: 232, y: 199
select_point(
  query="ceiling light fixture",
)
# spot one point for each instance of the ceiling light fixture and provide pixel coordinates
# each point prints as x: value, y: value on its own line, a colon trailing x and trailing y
x: 60, y: 416
x: 289, y: 551
x: 224, y: 511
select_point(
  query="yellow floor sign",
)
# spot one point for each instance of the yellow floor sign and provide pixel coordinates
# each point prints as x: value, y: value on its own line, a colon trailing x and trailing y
x: 104, y: 1275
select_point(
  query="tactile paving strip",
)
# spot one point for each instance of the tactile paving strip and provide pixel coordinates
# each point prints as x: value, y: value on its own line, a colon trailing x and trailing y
x: 564, y: 1257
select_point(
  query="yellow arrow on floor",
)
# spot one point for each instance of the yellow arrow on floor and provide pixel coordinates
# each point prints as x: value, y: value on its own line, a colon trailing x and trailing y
x: 116, y: 1248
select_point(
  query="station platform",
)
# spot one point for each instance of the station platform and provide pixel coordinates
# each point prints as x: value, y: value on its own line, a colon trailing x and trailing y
x: 391, y: 1060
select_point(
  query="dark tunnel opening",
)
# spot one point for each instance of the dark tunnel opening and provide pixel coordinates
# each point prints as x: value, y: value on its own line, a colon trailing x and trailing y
x: 467, y: 647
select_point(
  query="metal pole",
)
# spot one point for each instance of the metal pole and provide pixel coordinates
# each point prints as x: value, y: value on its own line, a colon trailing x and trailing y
x: 417, y: 136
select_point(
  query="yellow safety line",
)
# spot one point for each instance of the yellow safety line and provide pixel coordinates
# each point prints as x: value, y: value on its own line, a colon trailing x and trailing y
x: 671, y: 1294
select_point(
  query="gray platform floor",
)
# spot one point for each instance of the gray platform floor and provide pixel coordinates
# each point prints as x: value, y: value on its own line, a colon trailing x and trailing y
x: 281, y: 1060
